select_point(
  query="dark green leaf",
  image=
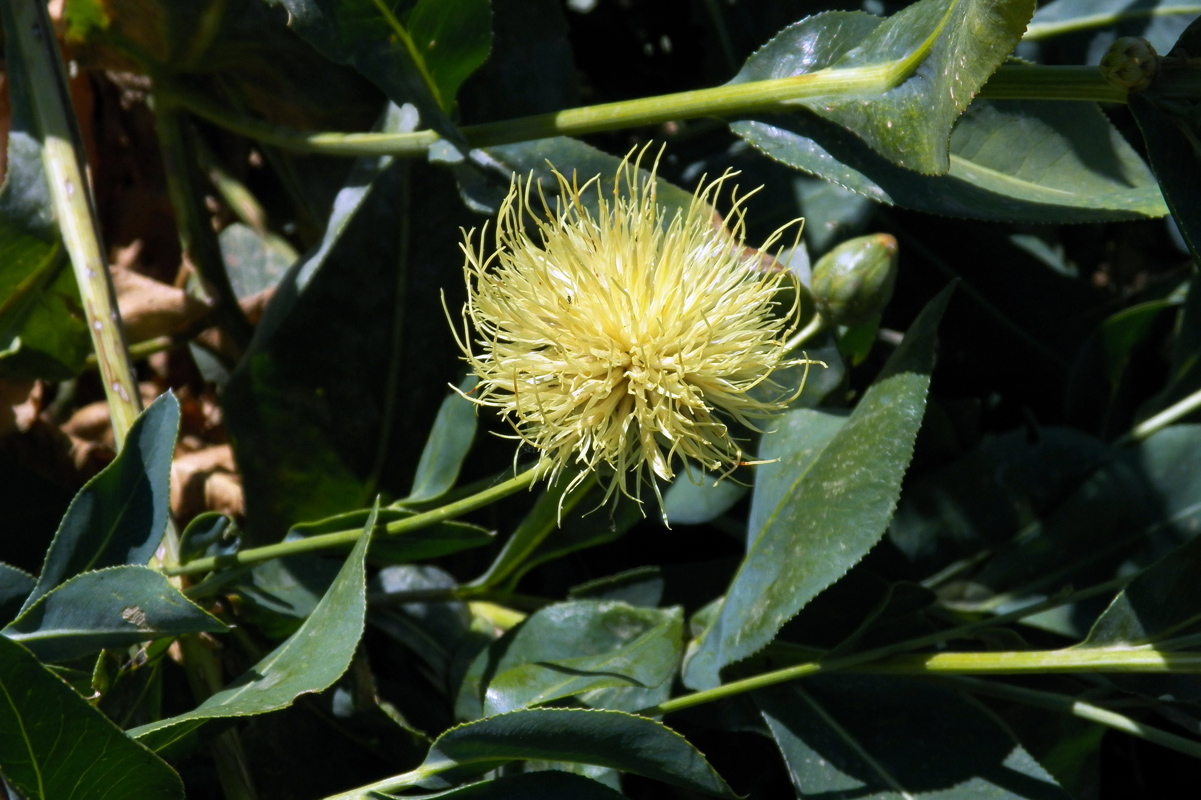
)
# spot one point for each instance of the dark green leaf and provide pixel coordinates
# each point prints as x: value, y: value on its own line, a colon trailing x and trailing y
x: 994, y: 491
x: 1140, y: 506
x: 15, y: 586
x: 1009, y: 160
x: 880, y: 739
x: 689, y: 503
x: 1171, y: 131
x: 448, y: 443
x: 531, y: 69
x: 53, y: 745
x: 358, y: 324
x: 549, y: 785
x: 107, y: 608
x: 963, y: 42
x: 570, y: 648
x: 119, y: 516
x: 308, y: 662
x: 605, y: 738
x: 834, y: 511
x: 485, y: 179
x: 1163, y: 601
x: 453, y: 38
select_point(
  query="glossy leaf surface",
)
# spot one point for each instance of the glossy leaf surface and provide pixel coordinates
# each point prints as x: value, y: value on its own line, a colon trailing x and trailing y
x: 943, y: 49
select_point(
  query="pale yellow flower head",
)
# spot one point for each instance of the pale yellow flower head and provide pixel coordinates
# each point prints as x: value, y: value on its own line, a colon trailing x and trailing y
x: 619, y: 339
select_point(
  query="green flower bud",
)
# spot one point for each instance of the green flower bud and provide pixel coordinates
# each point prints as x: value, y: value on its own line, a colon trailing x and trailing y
x: 1130, y: 63
x: 853, y: 282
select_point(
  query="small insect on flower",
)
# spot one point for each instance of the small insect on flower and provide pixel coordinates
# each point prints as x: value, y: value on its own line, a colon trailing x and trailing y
x: 617, y: 339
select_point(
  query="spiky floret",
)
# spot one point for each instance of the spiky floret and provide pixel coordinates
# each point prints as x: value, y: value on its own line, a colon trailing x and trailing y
x: 613, y: 339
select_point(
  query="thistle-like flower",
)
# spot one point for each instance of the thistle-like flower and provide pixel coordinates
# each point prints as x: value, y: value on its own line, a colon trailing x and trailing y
x: 616, y: 340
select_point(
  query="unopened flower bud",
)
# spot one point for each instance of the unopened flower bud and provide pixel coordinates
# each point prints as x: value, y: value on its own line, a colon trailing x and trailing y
x: 853, y: 282
x: 1130, y: 63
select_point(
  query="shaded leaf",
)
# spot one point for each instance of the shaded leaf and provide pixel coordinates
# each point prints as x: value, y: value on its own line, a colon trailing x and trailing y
x: 119, y: 516
x: 111, y: 607
x: 567, y: 649
x: 835, y: 509
x: 358, y: 323
x: 874, y: 739
x: 1163, y: 601
x: 54, y: 745
x: 993, y: 491
x: 15, y: 586
x: 688, y: 503
x: 308, y: 662
x: 946, y: 50
x: 604, y: 738
x: 448, y: 444
x: 1171, y: 131
x: 485, y: 177
x: 1019, y: 161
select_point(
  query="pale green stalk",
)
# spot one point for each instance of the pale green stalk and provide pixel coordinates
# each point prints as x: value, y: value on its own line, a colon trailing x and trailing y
x: 32, y: 41
x: 875, y: 655
x: 1173, y: 413
x: 1037, y: 31
x: 341, y: 539
x: 1011, y: 81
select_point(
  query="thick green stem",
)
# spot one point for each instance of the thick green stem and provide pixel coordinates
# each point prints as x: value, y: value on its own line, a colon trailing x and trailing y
x: 1039, y: 662
x: 32, y: 41
x: 197, y: 239
x: 779, y: 95
x: 341, y: 539
x: 875, y: 655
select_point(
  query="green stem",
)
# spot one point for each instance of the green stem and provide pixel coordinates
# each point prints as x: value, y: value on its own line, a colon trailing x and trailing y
x: 1037, y: 31
x: 1042, y: 662
x: 731, y: 100
x: 31, y: 39
x: 1173, y: 413
x: 1078, y: 708
x: 197, y: 239
x: 857, y: 659
x: 340, y: 539
x: 814, y: 326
